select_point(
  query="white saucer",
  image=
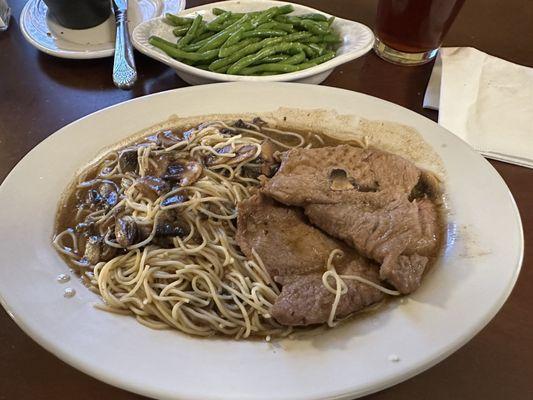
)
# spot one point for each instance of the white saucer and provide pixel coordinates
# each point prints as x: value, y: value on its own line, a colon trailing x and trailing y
x: 43, y: 32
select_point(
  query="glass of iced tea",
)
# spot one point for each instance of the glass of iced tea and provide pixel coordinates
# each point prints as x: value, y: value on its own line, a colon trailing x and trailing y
x: 410, y: 32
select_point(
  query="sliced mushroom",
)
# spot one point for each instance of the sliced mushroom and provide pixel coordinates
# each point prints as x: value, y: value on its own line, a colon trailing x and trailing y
x: 269, y: 164
x: 176, y: 199
x: 159, y: 167
x: 227, y: 132
x: 126, y: 231
x: 108, y: 193
x: 259, y: 122
x: 242, y: 153
x: 168, y: 225
x: 211, y: 159
x: 93, y: 197
x: 166, y: 230
x: 252, y: 171
x: 174, y: 228
x: 168, y: 138
x: 244, y: 125
x: 192, y: 173
x: 339, y: 180
x: 85, y: 228
x: 128, y: 160
x: 107, y: 253
x: 151, y: 186
x: 185, y: 173
x: 93, y: 249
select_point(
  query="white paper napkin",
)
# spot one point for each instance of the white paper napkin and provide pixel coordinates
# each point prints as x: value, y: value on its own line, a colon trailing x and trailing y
x: 486, y: 101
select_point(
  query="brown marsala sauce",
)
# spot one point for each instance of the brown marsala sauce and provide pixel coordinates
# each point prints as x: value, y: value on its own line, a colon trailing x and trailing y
x: 73, y: 198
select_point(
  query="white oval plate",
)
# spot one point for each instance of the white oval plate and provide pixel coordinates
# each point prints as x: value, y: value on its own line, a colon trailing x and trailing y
x: 43, y: 32
x: 357, y: 40
x: 460, y: 295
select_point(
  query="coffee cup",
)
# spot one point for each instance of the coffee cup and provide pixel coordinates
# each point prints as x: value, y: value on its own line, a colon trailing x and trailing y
x: 79, y: 14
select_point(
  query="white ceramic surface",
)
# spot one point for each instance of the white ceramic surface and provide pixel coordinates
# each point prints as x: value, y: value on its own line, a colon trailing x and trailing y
x: 459, y: 296
x: 357, y: 38
x: 43, y: 32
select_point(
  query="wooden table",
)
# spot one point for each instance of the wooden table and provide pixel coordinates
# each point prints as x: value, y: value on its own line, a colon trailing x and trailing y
x: 39, y: 94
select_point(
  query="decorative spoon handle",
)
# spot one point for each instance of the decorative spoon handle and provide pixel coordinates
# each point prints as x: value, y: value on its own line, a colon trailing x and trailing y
x: 124, y: 72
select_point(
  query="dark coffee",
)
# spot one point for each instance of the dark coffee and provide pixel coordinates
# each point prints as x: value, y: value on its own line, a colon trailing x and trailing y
x: 79, y: 14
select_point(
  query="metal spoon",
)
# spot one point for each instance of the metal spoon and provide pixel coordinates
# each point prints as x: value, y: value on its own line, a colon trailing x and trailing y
x: 124, y: 72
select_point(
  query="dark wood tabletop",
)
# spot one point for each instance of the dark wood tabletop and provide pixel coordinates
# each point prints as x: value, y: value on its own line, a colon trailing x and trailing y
x: 39, y: 94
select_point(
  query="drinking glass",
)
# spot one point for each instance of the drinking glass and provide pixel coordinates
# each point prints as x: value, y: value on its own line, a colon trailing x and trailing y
x: 410, y: 32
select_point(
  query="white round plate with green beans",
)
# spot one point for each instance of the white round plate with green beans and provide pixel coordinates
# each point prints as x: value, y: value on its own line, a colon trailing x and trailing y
x: 252, y: 40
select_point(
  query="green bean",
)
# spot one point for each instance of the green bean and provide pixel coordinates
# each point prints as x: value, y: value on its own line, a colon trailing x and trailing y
x: 267, y: 25
x: 243, y: 33
x: 270, y: 13
x: 286, y: 66
x: 263, y: 33
x: 314, y: 17
x: 286, y: 59
x: 203, y: 36
x: 275, y: 67
x: 226, y: 51
x: 191, y: 33
x: 331, y: 38
x: 295, y: 59
x: 309, y: 52
x: 163, y: 41
x: 278, y: 26
x: 285, y: 9
x: 180, y: 31
x: 331, y: 20
x: 313, y: 27
x: 222, y: 70
x: 318, y: 60
x: 218, y: 11
x: 221, y: 27
x: 319, y: 48
x: 205, y: 67
x: 197, y: 44
x: 174, y: 52
x: 276, y: 58
x: 324, y: 25
x: 221, y: 19
x: 201, y: 29
x: 264, y: 16
x: 235, y: 37
x: 287, y: 19
x: 267, y: 51
x: 296, y: 36
x: 316, y: 27
x: 231, y: 58
x: 218, y: 39
x: 255, y: 47
x: 191, y: 63
x: 174, y: 20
